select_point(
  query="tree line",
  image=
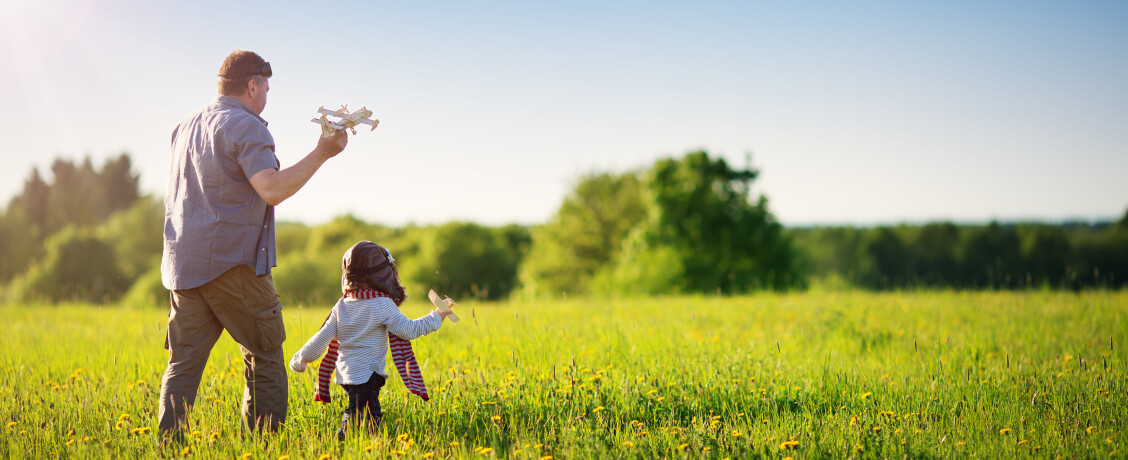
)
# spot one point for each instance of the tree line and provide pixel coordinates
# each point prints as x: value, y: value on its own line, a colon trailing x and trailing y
x: 684, y: 225
x: 992, y: 256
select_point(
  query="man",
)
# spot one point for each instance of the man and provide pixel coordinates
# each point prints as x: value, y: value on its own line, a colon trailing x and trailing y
x: 224, y: 182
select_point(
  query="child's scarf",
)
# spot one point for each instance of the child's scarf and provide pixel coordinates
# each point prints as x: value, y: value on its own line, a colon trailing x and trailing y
x: 402, y: 356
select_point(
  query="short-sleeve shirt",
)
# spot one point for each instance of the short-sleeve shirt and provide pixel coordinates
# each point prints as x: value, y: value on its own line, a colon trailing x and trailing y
x: 214, y: 218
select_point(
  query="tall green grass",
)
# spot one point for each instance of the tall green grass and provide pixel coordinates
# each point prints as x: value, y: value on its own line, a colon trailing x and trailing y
x: 922, y: 374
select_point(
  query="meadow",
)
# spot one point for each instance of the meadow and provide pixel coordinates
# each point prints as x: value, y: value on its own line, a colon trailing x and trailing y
x: 807, y: 375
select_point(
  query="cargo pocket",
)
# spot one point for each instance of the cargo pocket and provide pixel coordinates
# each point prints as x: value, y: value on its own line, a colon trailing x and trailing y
x: 271, y: 330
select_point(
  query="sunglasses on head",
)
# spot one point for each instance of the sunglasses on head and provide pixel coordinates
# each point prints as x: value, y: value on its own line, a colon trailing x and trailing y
x: 265, y: 70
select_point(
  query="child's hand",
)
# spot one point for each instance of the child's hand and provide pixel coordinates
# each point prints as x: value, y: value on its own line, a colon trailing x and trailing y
x: 441, y: 313
x: 296, y: 363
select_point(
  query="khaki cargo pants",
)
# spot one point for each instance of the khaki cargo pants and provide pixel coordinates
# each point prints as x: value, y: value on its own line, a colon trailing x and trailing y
x: 247, y: 307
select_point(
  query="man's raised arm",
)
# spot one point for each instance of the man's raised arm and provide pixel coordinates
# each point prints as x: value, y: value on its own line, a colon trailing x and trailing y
x: 275, y: 186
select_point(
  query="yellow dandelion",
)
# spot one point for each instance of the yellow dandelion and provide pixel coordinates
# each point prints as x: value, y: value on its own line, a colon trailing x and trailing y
x: 538, y: 446
x: 876, y: 429
x: 454, y: 443
x: 496, y: 418
x: 789, y: 444
x: 597, y: 409
x: 11, y: 424
x: 1088, y: 430
x: 1023, y: 442
x: 960, y: 444
x: 736, y: 434
x: 1005, y: 431
x: 70, y: 442
x: 546, y: 457
x: 486, y: 450
x: 186, y: 450
x: 440, y: 414
x: 124, y: 417
x: 403, y: 436
x: 368, y: 448
x: 245, y: 455
x: 324, y: 457
x: 284, y: 457
x: 859, y: 448
x: 683, y: 446
x: 628, y: 444
x: 428, y: 455
x: 865, y: 395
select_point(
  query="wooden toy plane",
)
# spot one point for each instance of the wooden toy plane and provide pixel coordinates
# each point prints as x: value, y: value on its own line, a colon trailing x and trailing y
x: 346, y: 119
x: 443, y: 304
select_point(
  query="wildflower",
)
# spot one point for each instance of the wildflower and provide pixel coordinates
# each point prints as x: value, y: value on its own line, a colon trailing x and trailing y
x: 865, y: 395
x: 70, y: 442
x: 1024, y: 441
x: 323, y: 457
x: 598, y: 409
x: 186, y: 450
x: 1005, y: 431
x: 1089, y: 430
x: 960, y: 444
x: 403, y: 437
x: 11, y: 424
x: 124, y: 417
x: 245, y: 455
x: 496, y: 418
x: 546, y: 457
x: 789, y: 444
x: 683, y: 446
x: 859, y: 448
x: 736, y: 434
x: 876, y: 429
x: 368, y: 448
x: 628, y: 444
x: 454, y: 443
x: 428, y: 455
x: 284, y: 457
x: 485, y: 450
x: 538, y: 446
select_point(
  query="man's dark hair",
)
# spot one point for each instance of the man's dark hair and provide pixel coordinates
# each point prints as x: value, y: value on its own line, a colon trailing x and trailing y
x: 239, y: 68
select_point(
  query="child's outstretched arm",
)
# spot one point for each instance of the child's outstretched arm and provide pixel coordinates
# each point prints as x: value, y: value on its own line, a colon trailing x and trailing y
x: 316, y: 345
x: 410, y: 329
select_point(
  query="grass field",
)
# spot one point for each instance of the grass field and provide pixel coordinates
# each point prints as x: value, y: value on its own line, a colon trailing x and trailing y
x: 814, y: 375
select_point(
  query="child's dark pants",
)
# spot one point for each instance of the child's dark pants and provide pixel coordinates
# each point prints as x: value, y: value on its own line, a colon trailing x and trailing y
x: 364, y: 403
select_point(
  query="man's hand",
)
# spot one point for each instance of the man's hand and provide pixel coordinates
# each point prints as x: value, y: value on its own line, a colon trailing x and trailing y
x: 331, y: 146
x: 275, y: 186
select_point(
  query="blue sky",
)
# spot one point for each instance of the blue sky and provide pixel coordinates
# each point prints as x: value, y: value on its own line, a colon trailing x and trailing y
x: 855, y: 112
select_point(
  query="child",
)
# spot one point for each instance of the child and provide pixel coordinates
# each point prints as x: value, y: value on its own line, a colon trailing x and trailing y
x: 362, y: 322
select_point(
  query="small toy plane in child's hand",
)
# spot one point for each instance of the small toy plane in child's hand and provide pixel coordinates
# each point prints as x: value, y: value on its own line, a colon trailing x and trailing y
x: 443, y: 304
x: 347, y: 119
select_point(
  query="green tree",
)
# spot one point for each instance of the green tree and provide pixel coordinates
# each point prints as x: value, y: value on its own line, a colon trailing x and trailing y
x: 462, y: 259
x: 584, y: 236
x: 136, y: 236
x: 77, y: 265
x: 702, y: 235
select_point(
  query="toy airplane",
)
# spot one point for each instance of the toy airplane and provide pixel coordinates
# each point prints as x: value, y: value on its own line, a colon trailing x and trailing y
x: 347, y: 119
x: 443, y: 304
